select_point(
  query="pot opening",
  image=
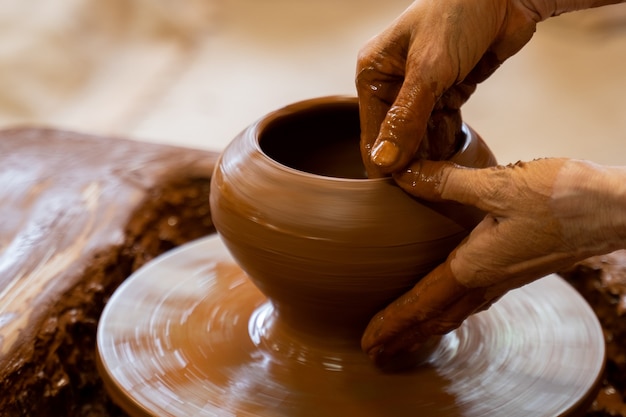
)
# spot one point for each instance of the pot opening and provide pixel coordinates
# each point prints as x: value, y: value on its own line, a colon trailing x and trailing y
x: 319, y: 139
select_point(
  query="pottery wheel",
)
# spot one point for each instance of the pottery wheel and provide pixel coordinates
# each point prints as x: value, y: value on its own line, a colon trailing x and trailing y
x: 189, y: 334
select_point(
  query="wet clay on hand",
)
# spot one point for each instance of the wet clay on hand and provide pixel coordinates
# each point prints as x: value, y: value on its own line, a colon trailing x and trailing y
x: 542, y: 217
x: 415, y: 75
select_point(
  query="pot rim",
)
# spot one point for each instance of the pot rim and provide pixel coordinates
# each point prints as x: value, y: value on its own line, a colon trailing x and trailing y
x: 255, y: 130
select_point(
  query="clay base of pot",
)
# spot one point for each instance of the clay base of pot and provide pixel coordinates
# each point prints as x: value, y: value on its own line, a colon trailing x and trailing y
x: 189, y: 334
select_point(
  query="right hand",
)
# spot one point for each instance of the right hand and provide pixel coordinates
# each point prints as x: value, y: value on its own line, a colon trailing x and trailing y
x: 542, y: 216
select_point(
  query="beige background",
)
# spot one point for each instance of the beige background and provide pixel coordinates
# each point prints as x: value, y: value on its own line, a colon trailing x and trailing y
x: 195, y: 72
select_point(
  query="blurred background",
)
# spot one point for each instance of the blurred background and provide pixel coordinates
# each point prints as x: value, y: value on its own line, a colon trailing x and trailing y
x: 196, y: 72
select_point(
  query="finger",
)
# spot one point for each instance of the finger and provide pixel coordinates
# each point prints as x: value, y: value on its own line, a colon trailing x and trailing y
x: 379, y: 76
x: 431, y: 180
x: 431, y: 70
x: 372, y: 111
x: 445, y: 181
x: 404, y: 125
x: 428, y: 299
x: 435, y: 306
x: 412, y: 338
x: 444, y: 131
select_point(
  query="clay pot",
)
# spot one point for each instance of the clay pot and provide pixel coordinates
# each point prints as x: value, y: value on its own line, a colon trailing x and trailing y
x: 326, y: 245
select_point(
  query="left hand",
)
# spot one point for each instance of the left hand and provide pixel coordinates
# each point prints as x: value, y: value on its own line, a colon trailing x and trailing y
x: 413, y: 77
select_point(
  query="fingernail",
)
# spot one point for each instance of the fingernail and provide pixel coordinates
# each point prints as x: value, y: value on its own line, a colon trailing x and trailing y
x: 385, y: 153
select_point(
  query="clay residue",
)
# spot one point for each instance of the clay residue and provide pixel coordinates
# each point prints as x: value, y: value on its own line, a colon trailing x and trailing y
x: 612, y: 273
x: 85, y: 212
x: 60, y: 373
x: 602, y: 282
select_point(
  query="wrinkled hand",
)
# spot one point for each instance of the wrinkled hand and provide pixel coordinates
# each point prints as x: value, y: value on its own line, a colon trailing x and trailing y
x: 542, y: 216
x: 413, y: 78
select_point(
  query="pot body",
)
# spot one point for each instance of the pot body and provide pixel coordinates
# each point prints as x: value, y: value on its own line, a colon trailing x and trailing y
x: 326, y: 245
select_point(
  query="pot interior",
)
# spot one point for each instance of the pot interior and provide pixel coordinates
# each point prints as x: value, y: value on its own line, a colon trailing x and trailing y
x: 321, y: 139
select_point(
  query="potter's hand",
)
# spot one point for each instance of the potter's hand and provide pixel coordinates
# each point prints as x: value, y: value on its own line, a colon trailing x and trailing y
x: 542, y: 216
x: 413, y: 78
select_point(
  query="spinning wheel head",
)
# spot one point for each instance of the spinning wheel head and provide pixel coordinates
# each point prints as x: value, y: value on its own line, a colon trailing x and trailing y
x: 190, y: 335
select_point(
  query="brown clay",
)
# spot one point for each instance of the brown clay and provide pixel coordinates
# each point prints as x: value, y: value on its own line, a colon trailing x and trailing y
x: 78, y: 213
x: 191, y: 335
x: 327, y: 246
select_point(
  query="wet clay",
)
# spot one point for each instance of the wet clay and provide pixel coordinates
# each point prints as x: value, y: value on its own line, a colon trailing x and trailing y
x: 78, y: 214
x: 601, y: 280
x: 323, y: 249
x: 327, y: 246
x: 190, y: 334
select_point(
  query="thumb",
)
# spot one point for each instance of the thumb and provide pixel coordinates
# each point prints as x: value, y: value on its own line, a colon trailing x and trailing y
x: 446, y: 181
